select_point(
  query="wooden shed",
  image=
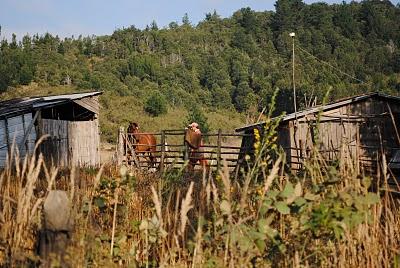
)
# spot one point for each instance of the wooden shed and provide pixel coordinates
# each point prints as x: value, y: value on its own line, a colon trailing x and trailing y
x: 360, y: 128
x: 71, y: 121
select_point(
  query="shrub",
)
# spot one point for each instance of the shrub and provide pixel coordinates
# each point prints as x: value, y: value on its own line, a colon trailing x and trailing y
x: 196, y: 115
x: 156, y: 104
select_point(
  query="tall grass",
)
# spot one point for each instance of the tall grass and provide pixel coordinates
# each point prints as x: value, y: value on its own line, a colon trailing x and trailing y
x: 326, y: 216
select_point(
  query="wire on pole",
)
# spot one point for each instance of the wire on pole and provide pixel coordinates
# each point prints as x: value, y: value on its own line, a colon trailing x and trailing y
x: 330, y: 65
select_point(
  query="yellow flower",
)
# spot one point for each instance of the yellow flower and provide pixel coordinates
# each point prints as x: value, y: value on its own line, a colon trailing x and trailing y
x: 257, y: 142
x: 260, y: 190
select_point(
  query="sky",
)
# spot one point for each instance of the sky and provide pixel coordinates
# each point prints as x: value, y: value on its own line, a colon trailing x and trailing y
x: 100, y: 17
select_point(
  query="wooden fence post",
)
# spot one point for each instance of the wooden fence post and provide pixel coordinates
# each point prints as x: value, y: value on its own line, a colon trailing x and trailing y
x: 162, y: 151
x: 120, y: 146
x: 219, y: 149
x: 186, y: 148
x: 130, y: 148
x: 55, y: 236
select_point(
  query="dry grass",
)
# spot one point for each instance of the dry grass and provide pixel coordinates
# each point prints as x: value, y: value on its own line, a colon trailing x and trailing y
x: 196, y: 220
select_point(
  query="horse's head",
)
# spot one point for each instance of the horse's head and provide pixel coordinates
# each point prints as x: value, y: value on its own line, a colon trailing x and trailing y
x: 133, y: 127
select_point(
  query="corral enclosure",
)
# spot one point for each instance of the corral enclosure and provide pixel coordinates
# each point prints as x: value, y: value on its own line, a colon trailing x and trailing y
x: 171, y: 150
x: 70, y: 121
x: 361, y: 127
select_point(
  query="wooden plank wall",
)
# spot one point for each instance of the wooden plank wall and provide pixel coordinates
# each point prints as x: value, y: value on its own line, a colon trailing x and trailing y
x: 71, y: 142
x: 13, y: 131
x: 336, y: 136
x: 355, y: 131
x: 84, y: 142
x: 55, y: 148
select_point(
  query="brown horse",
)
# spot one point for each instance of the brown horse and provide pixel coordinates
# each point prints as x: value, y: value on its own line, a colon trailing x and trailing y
x: 194, y: 140
x: 142, y: 143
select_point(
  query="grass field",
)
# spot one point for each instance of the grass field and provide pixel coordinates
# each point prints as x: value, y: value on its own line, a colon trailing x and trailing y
x: 117, y: 111
x: 326, y: 216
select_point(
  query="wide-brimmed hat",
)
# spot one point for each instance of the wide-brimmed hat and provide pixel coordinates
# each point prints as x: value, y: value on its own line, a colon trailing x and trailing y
x: 194, y: 125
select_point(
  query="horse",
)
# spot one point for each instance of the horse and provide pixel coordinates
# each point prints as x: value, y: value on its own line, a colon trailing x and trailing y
x: 194, y: 140
x: 142, y: 143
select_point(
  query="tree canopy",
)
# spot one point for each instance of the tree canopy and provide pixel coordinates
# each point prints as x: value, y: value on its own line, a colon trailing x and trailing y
x: 230, y: 63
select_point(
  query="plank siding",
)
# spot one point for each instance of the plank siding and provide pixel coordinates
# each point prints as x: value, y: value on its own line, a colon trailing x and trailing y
x: 71, y: 142
x: 356, y: 130
x: 361, y: 129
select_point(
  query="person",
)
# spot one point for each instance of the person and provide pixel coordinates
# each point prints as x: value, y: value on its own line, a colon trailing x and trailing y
x: 195, y: 127
x: 195, y: 142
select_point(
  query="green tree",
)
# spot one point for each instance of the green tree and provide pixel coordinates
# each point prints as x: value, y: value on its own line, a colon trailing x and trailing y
x: 185, y: 20
x: 153, y: 26
x: 196, y: 114
x: 26, y: 75
x: 241, y: 96
x: 156, y: 104
x: 223, y: 63
x: 287, y: 16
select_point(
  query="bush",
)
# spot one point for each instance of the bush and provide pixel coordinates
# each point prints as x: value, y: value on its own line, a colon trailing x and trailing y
x: 156, y: 104
x: 196, y: 115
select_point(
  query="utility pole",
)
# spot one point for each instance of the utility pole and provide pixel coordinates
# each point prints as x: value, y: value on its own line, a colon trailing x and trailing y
x: 294, y: 84
x: 292, y: 35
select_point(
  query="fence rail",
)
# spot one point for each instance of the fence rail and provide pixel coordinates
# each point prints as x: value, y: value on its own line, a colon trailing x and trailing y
x: 178, y: 154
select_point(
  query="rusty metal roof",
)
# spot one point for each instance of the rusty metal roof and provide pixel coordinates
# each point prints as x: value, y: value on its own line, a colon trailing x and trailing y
x: 327, y: 107
x: 23, y: 105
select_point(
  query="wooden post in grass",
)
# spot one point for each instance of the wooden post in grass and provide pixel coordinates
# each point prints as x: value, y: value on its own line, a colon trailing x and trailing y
x: 219, y: 149
x: 55, y: 236
x: 162, y: 151
x: 120, y: 146
x: 114, y: 221
x: 186, y: 148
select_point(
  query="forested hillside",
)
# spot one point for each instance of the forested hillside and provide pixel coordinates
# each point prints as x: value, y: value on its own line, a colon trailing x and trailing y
x: 224, y: 64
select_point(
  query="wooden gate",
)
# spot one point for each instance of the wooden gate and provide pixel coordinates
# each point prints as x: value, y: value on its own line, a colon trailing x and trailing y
x: 172, y: 151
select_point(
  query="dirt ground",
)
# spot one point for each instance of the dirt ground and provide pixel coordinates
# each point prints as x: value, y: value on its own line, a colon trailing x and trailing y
x: 107, y: 151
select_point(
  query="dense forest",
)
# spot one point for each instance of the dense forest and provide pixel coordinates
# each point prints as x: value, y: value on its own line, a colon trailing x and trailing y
x: 233, y: 63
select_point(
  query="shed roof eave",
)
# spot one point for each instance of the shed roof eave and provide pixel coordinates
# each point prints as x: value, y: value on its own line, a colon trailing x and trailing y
x: 15, y: 107
x: 250, y: 126
x: 76, y: 96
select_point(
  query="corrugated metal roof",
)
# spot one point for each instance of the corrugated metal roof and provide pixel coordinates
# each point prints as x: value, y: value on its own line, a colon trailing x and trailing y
x: 394, y: 163
x: 22, y: 105
x: 326, y: 107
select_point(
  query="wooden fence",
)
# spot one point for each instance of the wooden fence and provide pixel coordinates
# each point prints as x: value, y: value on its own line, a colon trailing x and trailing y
x: 217, y: 147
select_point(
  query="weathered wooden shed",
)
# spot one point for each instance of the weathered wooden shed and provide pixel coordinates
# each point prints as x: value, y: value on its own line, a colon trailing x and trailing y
x: 360, y: 128
x: 71, y: 121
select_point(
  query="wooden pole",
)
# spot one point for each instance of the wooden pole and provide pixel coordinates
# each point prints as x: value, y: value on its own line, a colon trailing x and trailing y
x: 130, y: 148
x: 114, y: 221
x: 219, y: 149
x: 28, y: 130
x: 186, y: 148
x: 120, y: 147
x: 162, y: 151
x: 358, y: 155
x: 394, y: 123
x: 294, y: 97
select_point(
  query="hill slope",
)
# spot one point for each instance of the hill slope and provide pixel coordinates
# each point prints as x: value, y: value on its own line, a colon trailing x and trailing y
x: 222, y: 64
